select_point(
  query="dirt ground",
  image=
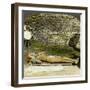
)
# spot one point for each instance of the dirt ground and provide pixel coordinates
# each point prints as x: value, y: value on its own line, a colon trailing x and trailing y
x: 58, y: 70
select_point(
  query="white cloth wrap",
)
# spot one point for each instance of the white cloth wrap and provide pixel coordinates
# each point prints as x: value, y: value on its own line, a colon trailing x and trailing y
x: 27, y: 35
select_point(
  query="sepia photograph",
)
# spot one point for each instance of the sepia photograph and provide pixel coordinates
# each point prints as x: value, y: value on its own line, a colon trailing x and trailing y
x: 51, y: 44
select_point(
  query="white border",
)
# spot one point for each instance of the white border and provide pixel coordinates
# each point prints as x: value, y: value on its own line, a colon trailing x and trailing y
x: 82, y: 39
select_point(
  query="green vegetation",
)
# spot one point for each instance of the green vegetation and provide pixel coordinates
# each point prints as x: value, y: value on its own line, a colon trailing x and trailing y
x: 38, y: 46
